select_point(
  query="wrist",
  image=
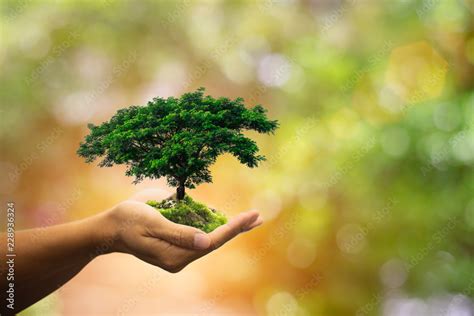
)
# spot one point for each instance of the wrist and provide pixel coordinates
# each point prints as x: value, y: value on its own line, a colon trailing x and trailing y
x: 104, y: 234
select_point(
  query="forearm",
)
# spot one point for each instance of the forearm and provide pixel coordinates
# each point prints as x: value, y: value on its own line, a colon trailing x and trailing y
x: 46, y: 258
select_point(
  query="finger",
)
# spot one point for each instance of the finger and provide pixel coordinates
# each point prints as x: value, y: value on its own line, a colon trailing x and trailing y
x: 221, y: 235
x: 235, y: 226
x: 182, y: 235
x: 257, y: 222
x: 151, y: 194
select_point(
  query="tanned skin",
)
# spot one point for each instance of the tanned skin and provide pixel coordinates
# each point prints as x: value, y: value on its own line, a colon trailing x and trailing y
x: 47, y: 258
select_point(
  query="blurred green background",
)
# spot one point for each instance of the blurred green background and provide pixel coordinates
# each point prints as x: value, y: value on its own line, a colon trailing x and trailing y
x: 368, y: 188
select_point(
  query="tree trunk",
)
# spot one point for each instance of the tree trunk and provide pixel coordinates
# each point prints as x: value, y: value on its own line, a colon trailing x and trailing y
x: 180, y: 191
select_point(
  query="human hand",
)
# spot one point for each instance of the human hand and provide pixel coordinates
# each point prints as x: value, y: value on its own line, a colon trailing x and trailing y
x: 141, y: 230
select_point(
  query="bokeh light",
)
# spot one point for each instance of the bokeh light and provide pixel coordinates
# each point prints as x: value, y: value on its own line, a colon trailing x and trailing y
x: 368, y: 181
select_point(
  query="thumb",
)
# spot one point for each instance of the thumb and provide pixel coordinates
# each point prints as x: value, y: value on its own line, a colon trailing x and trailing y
x: 183, y: 236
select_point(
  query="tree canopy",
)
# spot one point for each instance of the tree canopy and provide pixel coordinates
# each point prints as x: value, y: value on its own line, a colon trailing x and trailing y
x: 177, y: 138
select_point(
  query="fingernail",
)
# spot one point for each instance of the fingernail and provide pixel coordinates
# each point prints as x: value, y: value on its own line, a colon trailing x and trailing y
x: 201, y: 241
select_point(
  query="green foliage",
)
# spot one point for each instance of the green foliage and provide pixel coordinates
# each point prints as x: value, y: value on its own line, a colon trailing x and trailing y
x: 191, y: 213
x: 322, y: 174
x: 177, y: 138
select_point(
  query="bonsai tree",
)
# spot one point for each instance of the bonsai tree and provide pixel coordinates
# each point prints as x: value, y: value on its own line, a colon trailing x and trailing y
x: 177, y: 138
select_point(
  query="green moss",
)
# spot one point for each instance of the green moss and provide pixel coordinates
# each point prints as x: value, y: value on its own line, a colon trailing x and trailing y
x: 191, y: 213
